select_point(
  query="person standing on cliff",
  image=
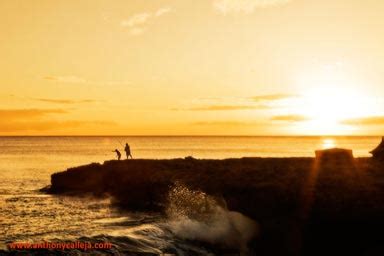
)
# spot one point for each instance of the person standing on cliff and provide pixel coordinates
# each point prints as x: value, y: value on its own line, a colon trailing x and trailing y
x: 127, y: 150
x: 118, y: 154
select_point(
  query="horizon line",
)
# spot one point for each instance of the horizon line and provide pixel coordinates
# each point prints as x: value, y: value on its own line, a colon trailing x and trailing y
x: 203, y: 135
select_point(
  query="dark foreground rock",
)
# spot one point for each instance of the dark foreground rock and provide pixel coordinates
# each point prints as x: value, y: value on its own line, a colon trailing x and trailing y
x: 303, y: 206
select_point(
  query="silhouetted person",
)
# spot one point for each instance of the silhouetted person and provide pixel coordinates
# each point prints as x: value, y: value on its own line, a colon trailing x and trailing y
x: 127, y: 150
x: 118, y: 154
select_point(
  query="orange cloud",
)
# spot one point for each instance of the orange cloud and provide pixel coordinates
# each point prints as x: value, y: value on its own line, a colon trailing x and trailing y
x: 40, y: 125
x: 64, y: 101
x: 12, y: 114
x: 67, y: 79
x: 222, y: 123
x: 273, y: 97
x: 227, y: 107
x: 80, y: 80
x: 374, y: 120
x: 290, y: 118
x: 27, y: 120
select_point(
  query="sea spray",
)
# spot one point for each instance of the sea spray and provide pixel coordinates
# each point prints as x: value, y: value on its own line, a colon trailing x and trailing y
x: 194, y: 215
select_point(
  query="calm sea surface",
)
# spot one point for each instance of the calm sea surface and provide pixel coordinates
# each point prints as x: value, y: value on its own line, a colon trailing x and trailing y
x: 26, y: 164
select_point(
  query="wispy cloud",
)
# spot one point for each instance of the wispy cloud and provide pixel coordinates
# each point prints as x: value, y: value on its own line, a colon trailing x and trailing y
x: 25, y: 120
x: 259, y: 102
x: 66, y: 79
x: 224, y: 108
x: 373, y: 120
x: 290, y: 118
x: 80, y: 80
x: 137, y: 19
x: 138, y: 23
x: 223, y: 123
x: 243, y: 6
x: 25, y: 114
x: 48, y: 125
x: 162, y: 11
x: 64, y: 101
x: 273, y: 97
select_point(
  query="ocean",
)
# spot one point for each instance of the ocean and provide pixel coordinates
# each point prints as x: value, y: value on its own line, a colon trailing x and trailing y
x: 26, y: 164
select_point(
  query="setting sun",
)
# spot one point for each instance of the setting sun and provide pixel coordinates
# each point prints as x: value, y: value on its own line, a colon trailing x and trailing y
x: 327, y: 108
x: 203, y: 68
x: 331, y: 94
x: 205, y: 127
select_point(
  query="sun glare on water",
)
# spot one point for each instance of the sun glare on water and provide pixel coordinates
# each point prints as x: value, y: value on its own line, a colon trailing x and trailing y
x: 329, y: 143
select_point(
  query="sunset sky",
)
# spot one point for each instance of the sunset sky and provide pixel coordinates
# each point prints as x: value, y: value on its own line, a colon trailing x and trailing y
x: 203, y: 67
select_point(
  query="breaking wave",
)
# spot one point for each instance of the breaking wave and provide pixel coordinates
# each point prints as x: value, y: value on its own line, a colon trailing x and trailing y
x: 194, y: 224
x: 194, y: 215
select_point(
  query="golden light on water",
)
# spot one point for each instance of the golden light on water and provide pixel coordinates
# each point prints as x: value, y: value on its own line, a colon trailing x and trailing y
x: 329, y: 143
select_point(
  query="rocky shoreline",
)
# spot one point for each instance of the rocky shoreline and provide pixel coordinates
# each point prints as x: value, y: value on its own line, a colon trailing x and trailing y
x: 304, y: 206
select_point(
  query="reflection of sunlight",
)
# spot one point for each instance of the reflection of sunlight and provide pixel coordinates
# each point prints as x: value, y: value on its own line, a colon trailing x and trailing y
x: 328, y: 143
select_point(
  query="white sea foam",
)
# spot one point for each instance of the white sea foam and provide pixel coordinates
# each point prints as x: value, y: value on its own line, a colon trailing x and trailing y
x: 194, y: 215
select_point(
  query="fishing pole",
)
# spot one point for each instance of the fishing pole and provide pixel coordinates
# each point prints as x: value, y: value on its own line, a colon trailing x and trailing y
x: 121, y: 144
